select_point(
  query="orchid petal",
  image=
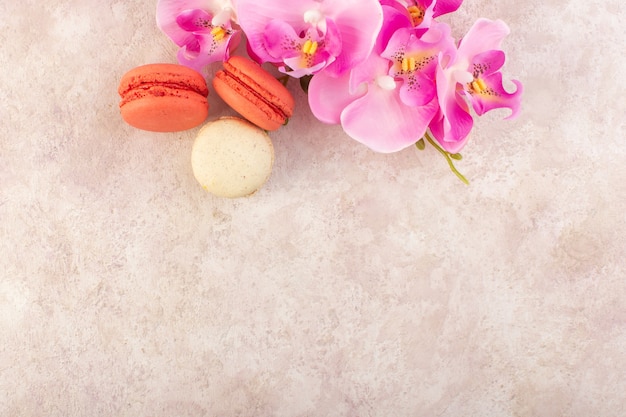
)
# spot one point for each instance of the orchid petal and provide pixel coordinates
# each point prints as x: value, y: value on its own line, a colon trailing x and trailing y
x: 368, y: 71
x: 281, y: 41
x: 495, y: 96
x: 348, y: 27
x: 205, y: 50
x: 415, y: 61
x: 429, y: 14
x: 453, y: 123
x: 384, y: 123
x: 329, y: 95
x: 285, y: 47
x: 359, y: 22
x: 472, y: 73
x: 486, y: 63
x: 196, y: 61
x: 486, y: 91
x: 254, y: 16
x: 293, y: 67
x: 484, y: 35
x: 418, y: 90
x: 394, y: 19
x: 168, y: 10
x: 190, y: 24
x: 192, y: 48
x: 426, y: 7
x: 446, y: 6
x: 441, y: 126
x: 333, y: 42
x: 194, y: 20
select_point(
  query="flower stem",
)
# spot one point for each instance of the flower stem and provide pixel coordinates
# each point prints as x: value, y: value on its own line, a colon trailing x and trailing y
x: 447, y: 156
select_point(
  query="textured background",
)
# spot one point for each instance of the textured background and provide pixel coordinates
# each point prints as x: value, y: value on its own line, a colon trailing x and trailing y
x: 353, y: 284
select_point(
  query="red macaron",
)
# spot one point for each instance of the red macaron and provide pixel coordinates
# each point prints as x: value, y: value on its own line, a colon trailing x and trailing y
x: 254, y: 93
x: 163, y: 98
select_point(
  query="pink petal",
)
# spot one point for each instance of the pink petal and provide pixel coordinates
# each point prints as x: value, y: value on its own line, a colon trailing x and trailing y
x: 374, y: 66
x: 281, y: 41
x: 450, y: 141
x: 418, y: 87
x: 393, y: 20
x: 359, y: 22
x: 208, y: 51
x: 329, y: 95
x: 332, y: 39
x: 401, y: 6
x: 446, y: 6
x: 255, y: 14
x: 453, y: 123
x: 486, y: 63
x: 284, y: 46
x: 168, y: 10
x: 418, y: 90
x: 497, y: 97
x: 383, y: 123
x: 253, y: 17
x: 188, y: 20
x: 294, y: 67
x: 459, y: 122
x: 485, y: 66
x: 428, y: 6
x: 484, y: 35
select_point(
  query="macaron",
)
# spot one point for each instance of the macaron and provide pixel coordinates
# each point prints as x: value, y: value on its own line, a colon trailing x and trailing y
x: 231, y: 157
x: 163, y: 97
x: 254, y: 93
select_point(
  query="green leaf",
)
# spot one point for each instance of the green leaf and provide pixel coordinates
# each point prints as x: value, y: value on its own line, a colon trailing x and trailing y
x: 421, y: 145
x: 456, y: 156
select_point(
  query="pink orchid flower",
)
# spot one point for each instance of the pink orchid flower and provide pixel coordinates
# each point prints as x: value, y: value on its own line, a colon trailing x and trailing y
x: 472, y: 76
x: 422, y: 12
x: 387, y: 102
x: 303, y: 37
x: 203, y: 29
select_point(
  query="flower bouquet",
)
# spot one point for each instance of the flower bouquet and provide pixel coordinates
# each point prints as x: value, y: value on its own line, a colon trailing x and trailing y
x: 387, y: 70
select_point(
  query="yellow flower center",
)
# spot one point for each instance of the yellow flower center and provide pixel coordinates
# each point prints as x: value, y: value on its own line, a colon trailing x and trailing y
x: 416, y: 13
x: 309, y: 47
x: 218, y: 33
x: 408, y: 64
x: 478, y: 86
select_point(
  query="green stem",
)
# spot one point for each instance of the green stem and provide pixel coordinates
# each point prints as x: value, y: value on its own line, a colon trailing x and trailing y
x: 447, y: 156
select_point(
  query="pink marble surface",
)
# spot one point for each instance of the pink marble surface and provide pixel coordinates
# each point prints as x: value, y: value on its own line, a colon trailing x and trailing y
x: 353, y: 284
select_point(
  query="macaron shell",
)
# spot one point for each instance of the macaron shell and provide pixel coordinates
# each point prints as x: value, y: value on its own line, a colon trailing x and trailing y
x: 163, y: 98
x: 165, y: 113
x: 262, y: 82
x: 173, y: 74
x: 254, y: 93
x: 231, y: 157
x: 247, y: 104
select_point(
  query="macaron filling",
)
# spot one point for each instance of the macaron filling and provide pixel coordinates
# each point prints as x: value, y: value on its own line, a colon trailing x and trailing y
x: 156, y: 89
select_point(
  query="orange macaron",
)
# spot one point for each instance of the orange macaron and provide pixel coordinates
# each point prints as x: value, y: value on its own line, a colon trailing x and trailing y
x: 163, y: 98
x: 254, y: 93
